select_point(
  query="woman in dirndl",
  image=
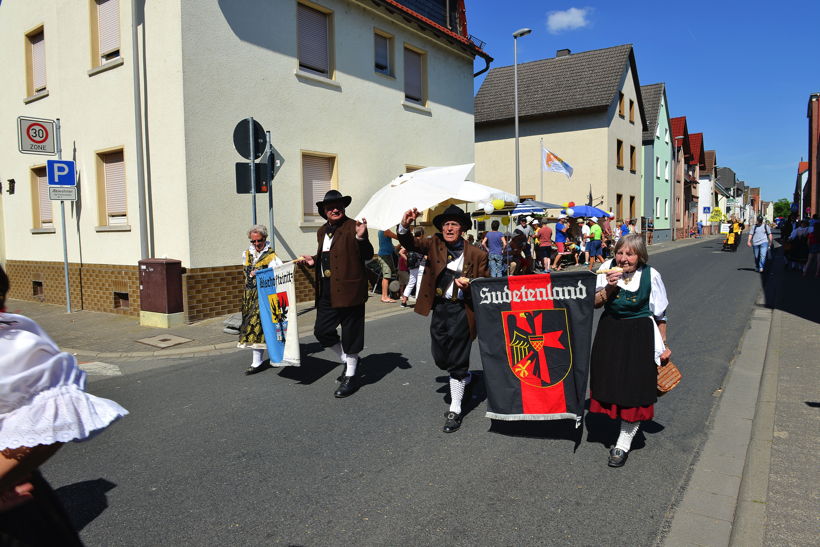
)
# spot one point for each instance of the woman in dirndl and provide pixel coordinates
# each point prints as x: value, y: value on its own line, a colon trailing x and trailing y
x: 630, y: 342
x: 258, y: 256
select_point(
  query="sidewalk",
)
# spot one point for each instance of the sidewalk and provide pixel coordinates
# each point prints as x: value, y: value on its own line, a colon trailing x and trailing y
x: 756, y: 481
x: 95, y: 335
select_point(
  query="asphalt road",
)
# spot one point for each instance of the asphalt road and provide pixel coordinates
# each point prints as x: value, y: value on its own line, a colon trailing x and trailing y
x: 211, y: 457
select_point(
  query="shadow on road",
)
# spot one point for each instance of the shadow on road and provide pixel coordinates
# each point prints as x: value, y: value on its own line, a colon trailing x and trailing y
x: 604, y: 430
x: 787, y: 290
x: 312, y: 368
x: 376, y: 366
x: 540, y: 429
x: 84, y: 501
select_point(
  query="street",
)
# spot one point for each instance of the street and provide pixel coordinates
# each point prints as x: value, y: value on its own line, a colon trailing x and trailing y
x: 209, y: 456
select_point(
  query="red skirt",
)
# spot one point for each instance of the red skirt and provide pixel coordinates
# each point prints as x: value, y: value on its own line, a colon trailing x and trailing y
x: 626, y: 413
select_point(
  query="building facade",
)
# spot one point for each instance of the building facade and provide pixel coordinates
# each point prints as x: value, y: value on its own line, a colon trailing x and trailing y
x: 811, y: 200
x: 353, y: 94
x: 658, y: 161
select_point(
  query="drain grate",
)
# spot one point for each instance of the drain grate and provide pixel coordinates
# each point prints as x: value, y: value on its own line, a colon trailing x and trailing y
x: 163, y: 341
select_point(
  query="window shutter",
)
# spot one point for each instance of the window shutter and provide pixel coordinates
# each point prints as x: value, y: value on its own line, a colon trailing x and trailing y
x: 38, y: 61
x: 382, y: 44
x: 317, y: 174
x: 313, y: 43
x: 412, y: 75
x: 114, y: 171
x: 108, y: 25
x: 44, y: 204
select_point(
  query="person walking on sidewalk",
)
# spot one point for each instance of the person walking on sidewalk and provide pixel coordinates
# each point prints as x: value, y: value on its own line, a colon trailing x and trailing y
x: 760, y: 239
x: 386, y: 262
x: 630, y: 342
x: 341, y: 284
x: 594, y: 245
x: 494, y: 242
x: 545, y: 246
x: 258, y: 256
x: 445, y: 289
x: 414, y: 261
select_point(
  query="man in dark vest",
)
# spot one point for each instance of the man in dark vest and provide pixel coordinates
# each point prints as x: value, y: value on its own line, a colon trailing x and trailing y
x: 341, y: 284
x: 445, y: 289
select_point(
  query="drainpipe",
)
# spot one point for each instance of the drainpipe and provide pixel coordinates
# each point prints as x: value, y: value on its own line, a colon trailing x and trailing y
x: 143, y: 214
x: 487, y: 60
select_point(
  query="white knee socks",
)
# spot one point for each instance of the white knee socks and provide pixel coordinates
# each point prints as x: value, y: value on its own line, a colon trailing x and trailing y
x: 337, y: 349
x: 457, y: 392
x: 628, y: 431
x: 351, y: 360
x: 257, y: 357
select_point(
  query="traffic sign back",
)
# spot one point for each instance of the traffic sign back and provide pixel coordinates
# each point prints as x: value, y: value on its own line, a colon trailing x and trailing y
x: 242, y: 142
x: 36, y: 136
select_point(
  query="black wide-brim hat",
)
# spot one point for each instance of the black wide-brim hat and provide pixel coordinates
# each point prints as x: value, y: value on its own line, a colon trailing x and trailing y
x: 453, y: 212
x: 333, y: 196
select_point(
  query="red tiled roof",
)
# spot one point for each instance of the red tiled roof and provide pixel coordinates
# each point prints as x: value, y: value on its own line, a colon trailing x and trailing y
x: 802, y: 167
x: 678, y: 126
x: 696, y: 146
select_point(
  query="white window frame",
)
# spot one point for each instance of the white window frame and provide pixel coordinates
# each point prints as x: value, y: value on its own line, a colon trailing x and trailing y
x: 36, y: 61
x: 314, y: 45
x: 666, y: 170
x: 314, y: 190
x: 666, y: 208
x: 378, y: 37
x: 412, y: 94
x: 657, y: 207
x: 107, y: 14
x: 657, y: 167
x: 113, y: 187
x: 44, y: 209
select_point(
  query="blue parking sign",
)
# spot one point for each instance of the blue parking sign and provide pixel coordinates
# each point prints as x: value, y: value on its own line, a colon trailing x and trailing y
x: 61, y: 173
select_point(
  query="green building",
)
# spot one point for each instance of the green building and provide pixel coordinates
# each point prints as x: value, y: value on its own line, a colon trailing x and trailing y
x: 658, y: 158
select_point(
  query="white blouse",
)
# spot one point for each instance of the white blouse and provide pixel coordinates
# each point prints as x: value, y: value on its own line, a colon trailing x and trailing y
x: 42, y: 397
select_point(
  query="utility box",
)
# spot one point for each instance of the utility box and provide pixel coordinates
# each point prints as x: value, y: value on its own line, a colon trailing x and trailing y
x: 161, y: 293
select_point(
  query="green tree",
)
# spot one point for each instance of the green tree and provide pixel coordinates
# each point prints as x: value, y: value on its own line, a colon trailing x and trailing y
x: 782, y: 208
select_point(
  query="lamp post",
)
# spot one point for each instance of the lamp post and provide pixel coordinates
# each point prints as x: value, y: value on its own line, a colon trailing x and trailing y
x: 516, y: 35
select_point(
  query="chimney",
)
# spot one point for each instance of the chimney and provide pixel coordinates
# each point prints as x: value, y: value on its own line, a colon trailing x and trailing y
x: 562, y: 53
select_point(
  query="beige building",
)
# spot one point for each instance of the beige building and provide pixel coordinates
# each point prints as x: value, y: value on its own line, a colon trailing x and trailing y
x: 353, y: 93
x: 587, y: 109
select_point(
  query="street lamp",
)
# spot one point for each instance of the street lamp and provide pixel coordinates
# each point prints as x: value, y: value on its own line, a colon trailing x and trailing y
x: 516, y: 35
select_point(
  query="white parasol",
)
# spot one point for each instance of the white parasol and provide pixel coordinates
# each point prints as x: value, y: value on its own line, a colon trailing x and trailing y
x: 425, y: 189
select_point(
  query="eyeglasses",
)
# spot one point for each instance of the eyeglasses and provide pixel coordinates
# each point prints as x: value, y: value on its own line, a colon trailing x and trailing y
x: 257, y: 241
x: 334, y: 207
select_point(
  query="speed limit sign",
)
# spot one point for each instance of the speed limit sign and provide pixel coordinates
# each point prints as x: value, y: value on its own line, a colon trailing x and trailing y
x: 36, y: 136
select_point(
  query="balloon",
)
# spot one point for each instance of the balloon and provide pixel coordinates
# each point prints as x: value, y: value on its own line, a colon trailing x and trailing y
x: 485, y: 218
x: 565, y: 204
x: 488, y: 208
x: 570, y: 212
x: 505, y: 220
x: 571, y: 204
x: 498, y: 203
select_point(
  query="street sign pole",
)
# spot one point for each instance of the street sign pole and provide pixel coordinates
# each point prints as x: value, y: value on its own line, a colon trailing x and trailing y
x: 253, y: 170
x: 62, y: 222
x: 270, y: 191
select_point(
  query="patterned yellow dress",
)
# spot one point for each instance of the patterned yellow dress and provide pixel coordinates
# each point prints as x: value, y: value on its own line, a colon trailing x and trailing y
x: 250, y: 333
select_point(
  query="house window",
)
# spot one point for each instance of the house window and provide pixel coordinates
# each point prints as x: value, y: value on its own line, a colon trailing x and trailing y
x: 666, y: 135
x: 105, y: 17
x: 383, y: 49
x: 657, y: 207
x: 411, y: 168
x: 318, y: 177
x: 631, y: 111
x: 658, y: 132
x: 666, y: 170
x: 621, y: 104
x: 414, y: 81
x: 36, y: 61
x: 633, y: 158
x: 632, y: 207
x: 657, y: 167
x: 619, y: 154
x: 111, y: 177
x: 42, y: 209
x: 314, y: 40
x: 619, y: 206
x: 666, y: 208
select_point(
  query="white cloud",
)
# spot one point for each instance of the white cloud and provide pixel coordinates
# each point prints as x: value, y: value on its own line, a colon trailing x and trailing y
x: 569, y: 19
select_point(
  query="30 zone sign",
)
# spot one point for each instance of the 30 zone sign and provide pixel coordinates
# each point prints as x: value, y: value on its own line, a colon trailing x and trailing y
x: 36, y: 136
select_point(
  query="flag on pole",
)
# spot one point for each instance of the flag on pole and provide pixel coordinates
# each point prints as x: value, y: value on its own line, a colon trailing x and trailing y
x: 277, y: 311
x: 551, y: 162
x: 534, y: 333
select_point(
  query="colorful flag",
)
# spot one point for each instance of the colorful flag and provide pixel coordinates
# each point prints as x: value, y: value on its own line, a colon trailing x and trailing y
x: 534, y: 334
x: 551, y: 162
x: 277, y: 310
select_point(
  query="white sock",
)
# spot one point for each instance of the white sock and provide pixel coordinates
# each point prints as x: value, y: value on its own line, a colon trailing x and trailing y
x: 257, y: 357
x: 457, y: 393
x: 351, y: 360
x: 628, y: 431
x: 337, y: 349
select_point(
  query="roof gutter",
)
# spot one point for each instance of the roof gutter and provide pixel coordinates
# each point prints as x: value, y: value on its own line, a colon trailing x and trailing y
x: 487, y: 61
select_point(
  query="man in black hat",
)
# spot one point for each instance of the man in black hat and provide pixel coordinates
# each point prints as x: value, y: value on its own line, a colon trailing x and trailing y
x: 341, y: 284
x: 445, y: 288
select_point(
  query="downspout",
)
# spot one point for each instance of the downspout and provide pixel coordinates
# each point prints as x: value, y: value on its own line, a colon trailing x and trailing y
x: 143, y: 214
x: 487, y: 60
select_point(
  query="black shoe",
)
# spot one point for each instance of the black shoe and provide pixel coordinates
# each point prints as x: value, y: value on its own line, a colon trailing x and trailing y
x: 453, y: 422
x: 617, y: 457
x: 253, y: 370
x: 346, y: 388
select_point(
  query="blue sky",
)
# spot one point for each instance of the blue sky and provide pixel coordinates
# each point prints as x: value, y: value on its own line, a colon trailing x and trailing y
x: 741, y: 72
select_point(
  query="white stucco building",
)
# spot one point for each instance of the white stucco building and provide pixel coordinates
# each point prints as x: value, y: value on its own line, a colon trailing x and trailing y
x: 353, y: 93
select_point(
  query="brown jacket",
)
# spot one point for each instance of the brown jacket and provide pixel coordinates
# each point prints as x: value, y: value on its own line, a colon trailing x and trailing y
x: 348, y: 276
x: 475, y: 265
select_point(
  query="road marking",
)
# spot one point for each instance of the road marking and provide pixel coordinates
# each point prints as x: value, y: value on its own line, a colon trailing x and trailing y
x: 97, y: 368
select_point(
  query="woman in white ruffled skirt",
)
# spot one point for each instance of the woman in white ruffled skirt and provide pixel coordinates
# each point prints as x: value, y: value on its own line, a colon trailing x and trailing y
x: 42, y: 405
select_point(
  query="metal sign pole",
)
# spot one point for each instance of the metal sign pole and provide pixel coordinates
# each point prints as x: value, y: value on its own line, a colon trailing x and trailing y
x: 270, y: 163
x: 62, y: 222
x: 253, y: 170
x: 541, y: 168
